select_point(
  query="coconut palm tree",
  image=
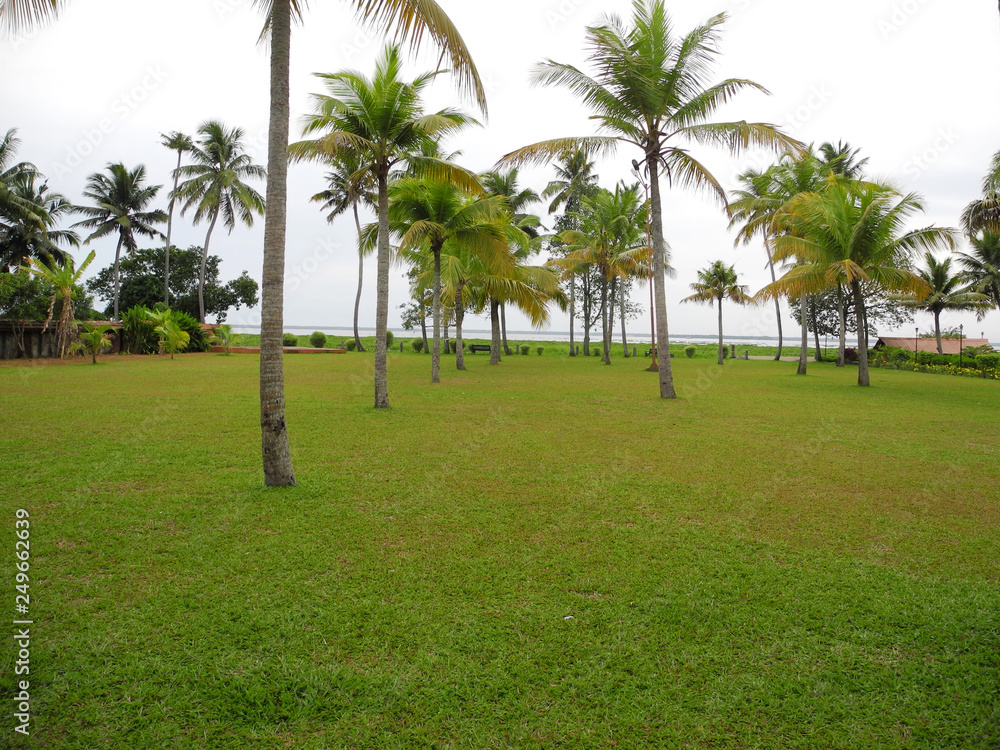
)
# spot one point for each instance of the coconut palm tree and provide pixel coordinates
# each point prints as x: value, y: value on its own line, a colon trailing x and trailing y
x: 575, y: 179
x: 984, y: 213
x: 426, y: 214
x: 842, y: 160
x: 94, y: 340
x: 350, y: 184
x: 121, y: 199
x: 62, y: 277
x: 849, y: 233
x: 982, y: 266
x: 652, y: 91
x: 216, y: 186
x: 716, y: 284
x: 381, y: 120
x: 948, y: 291
x: 411, y: 20
x: 179, y: 142
x: 27, y: 227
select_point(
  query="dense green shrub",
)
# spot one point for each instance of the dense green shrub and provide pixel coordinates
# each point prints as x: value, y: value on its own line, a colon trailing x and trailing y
x: 138, y: 336
x: 540, y: 349
x: 690, y: 350
x: 389, y: 338
x: 190, y: 325
x: 351, y: 345
x: 988, y: 363
x: 417, y: 344
x: 525, y: 349
x: 318, y: 339
x: 289, y: 339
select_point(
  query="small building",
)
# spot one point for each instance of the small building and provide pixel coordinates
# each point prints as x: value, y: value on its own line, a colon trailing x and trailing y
x: 948, y: 345
x: 25, y: 338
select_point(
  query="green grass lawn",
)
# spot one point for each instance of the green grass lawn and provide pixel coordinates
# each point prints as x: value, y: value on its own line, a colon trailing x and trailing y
x: 539, y: 554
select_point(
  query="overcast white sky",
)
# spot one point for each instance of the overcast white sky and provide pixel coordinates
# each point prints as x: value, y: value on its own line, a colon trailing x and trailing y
x: 910, y: 82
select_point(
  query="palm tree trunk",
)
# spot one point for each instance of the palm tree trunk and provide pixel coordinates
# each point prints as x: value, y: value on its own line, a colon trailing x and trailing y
x: 812, y: 310
x: 436, y: 353
x: 859, y: 311
x: 459, y: 318
x: 170, y: 226
x: 937, y: 330
x: 65, y: 318
x: 572, y: 313
x: 621, y: 307
x: 777, y: 302
x: 804, y: 343
x: 842, y: 313
x: 275, y: 453
x: 361, y: 278
x: 495, y: 330
x: 204, y: 260
x: 503, y: 328
x: 588, y: 306
x: 722, y: 359
x: 423, y: 325
x: 659, y: 285
x: 607, y: 322
x: 382, y: 294
x: 118, y: 253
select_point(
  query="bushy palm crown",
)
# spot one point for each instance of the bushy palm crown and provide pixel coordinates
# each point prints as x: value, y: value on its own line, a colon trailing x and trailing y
x: 215, y: 181
x: 611, y: 237
x: 28, y: 231
x: 716, y: 283
x: 121, y: 199
x: 575, y: 179
x: 981, y: 266
x: 983, y: 214
x: 350, y: 182
x: 947, y: 291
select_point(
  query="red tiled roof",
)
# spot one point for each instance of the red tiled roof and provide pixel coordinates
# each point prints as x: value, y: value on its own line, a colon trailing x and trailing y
x: 948, y: 345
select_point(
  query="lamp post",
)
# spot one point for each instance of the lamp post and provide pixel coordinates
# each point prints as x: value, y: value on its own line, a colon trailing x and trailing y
x: 654, y: 365
x: 961, y: 332
x: 916, y: 346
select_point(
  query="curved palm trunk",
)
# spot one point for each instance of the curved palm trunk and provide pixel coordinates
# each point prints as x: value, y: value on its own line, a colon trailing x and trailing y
x: 804, y: 343
x: 572, y: 314
x: 842, y: 313
x: 423, y: 325
x: 118, y: 254
x: 275, y: 453
x: 361, y: 278
x: 588, y: 305
x: 495, y: 330
x: 721, y: 358
x: 777, y: 301
x: 659, y: 285
x: 812, y: 308
x: 859, y: 311
x: 621, y: 307
x: 170, y: 227
x: 503, y: 328
x: 459, y: 318
x: 436, y: 353
x: 937, y: 330
x: 204, y: 256
x: 382, y: 292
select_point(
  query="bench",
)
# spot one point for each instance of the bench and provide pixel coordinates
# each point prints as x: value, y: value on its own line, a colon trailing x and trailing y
x: 479, y: 348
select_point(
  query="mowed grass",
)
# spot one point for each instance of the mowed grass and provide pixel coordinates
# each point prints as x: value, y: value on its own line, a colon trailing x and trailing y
x: 538, y: 554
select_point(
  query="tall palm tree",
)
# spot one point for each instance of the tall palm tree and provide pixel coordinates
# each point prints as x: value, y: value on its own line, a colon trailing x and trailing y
x: 763, y: 196
x: 716, y: 284
x: 651, y: 91
x: 351, y: 183
x: 948, y: 291
x: 61, y: 277
x: 849, y: 233
x: 216, y: 186
x: 982, y: 266
x: 984, y: 213
x: 121, y: 199
x: 179, y: 142
x: 381, y: 120
x: 575, y: 179
x: 426, y: 214
x: 28, y: 230
x: 410, y: 20
x: 843, y: 160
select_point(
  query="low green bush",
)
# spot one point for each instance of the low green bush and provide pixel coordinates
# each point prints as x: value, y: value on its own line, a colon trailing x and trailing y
x: 540, y: 349
x: 389, y: 338
x: 690, y: 350
x: 417, y: 344
x: 318, y: 339
x: 289, y: 339
x: 351, y: 345
x: 525, y: 349
x: 198, y: 341
x: 988, y: 363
